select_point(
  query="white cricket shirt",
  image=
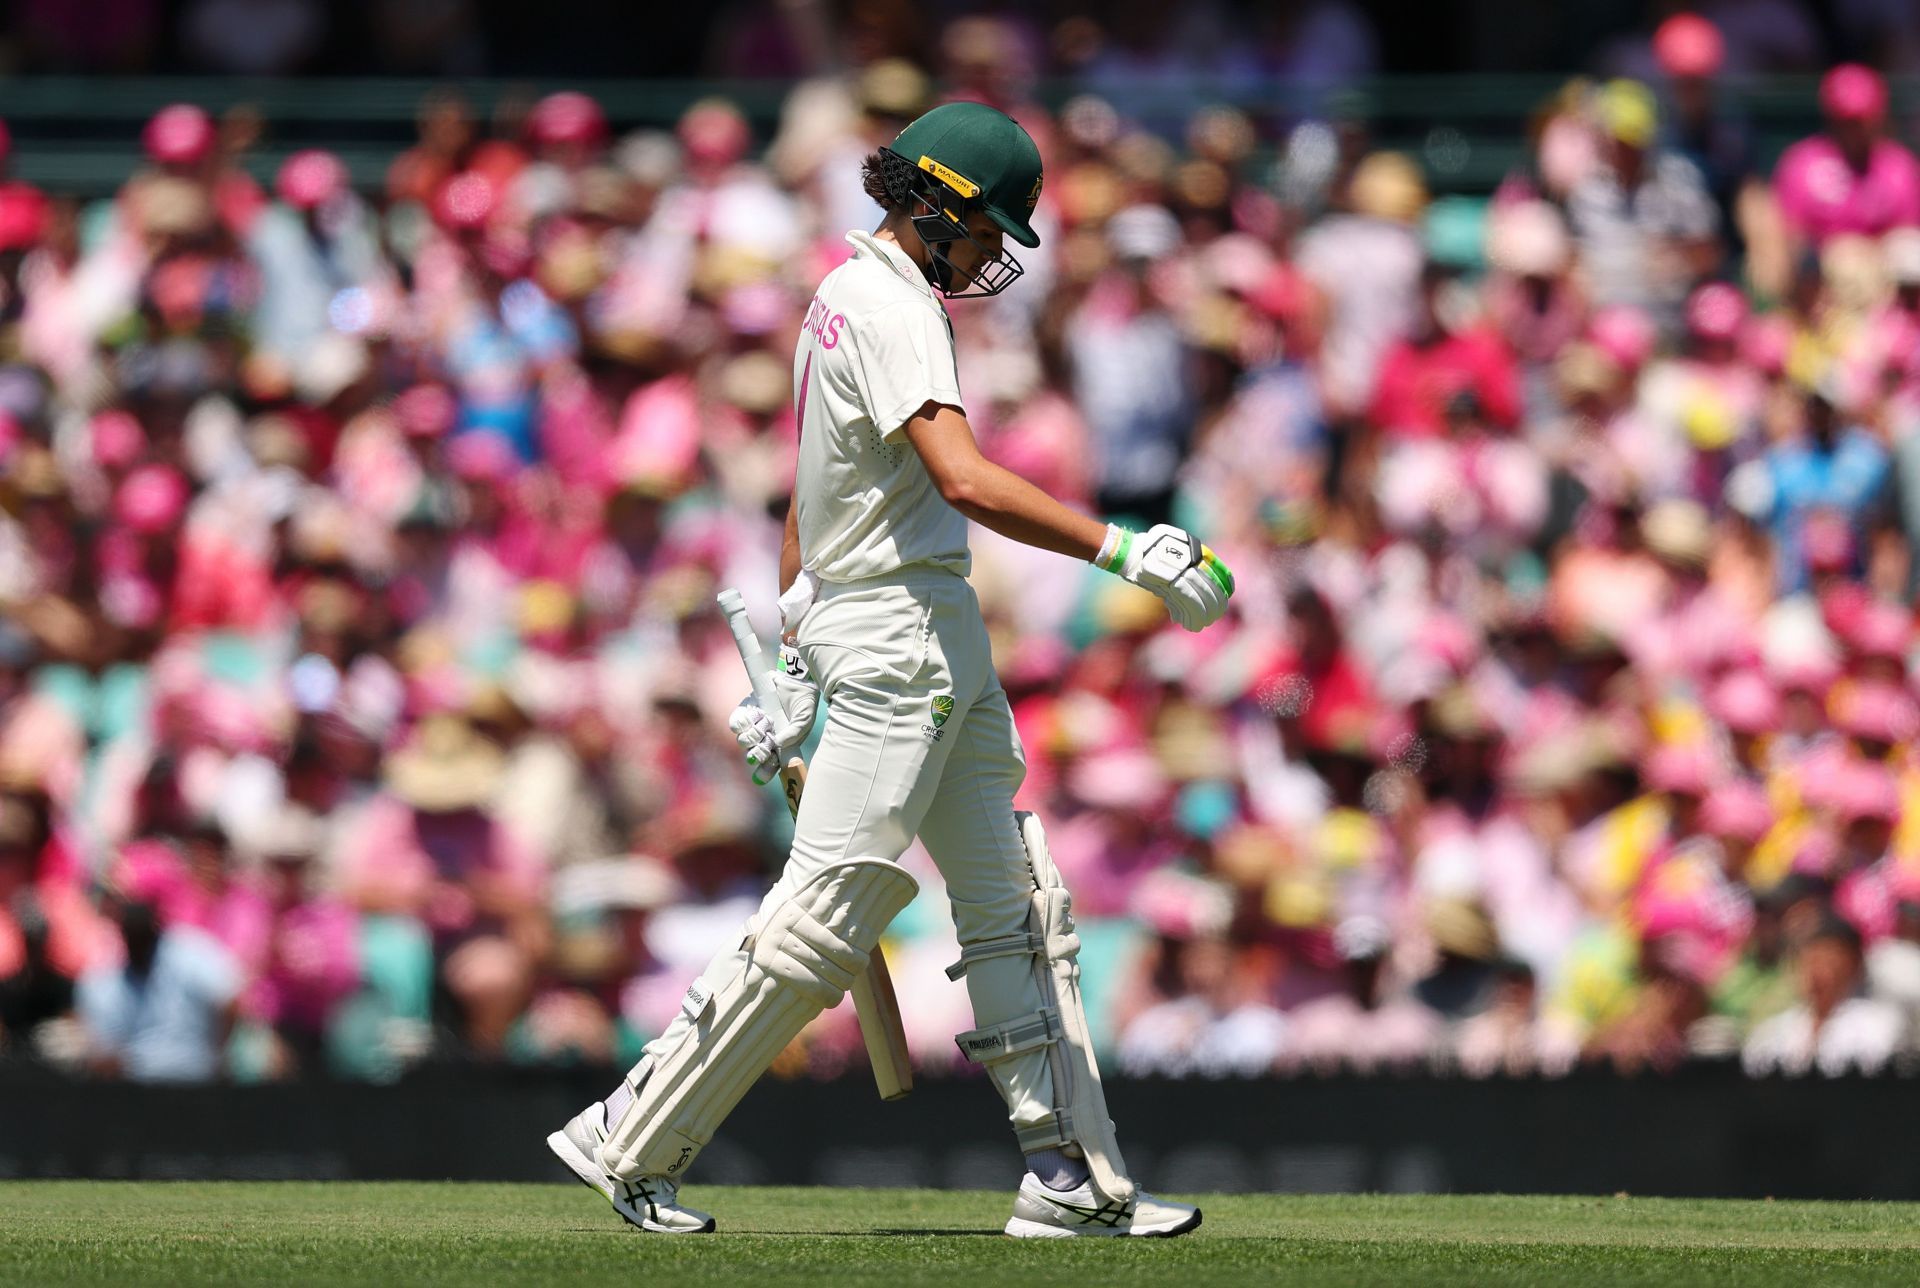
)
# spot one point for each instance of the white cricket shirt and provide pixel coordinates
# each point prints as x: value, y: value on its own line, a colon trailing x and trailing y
x: 875, y: 348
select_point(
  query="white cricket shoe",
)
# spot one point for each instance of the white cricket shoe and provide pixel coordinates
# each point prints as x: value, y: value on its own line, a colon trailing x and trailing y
x: 649, y: 1203
x: 1043, y: 1213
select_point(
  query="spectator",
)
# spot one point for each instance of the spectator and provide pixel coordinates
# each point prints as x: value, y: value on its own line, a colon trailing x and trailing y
x: 1642, y: 216
x: 1823, y: 481
x: 1833, y: 1028
x: 1702, y: 126
x: 34, y: 993
x: 1212, y: 1029
x: 1568, y: 662
x: 165, y: 1012
x: 1509, y: 1038
x: 1130, y: 368
x: 1852, y: 178
x: 1367, y: 262
x: 310, y: 961
x: 1444, y: 376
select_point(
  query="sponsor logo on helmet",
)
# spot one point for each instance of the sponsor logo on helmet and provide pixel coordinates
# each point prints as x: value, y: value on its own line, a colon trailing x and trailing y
x: 952, y: 178
x: 1033, y: 196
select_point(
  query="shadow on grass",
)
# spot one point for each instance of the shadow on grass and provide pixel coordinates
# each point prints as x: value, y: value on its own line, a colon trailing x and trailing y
x: 629, y: 1233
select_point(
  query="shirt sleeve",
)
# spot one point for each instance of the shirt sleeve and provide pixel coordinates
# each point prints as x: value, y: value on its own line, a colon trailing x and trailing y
x: 211, y: 970
x: 903, y: 359
x: 1693, y: 214
x: 100, y: 998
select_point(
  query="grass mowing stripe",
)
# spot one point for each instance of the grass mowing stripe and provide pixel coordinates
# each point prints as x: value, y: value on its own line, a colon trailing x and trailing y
x: 71, y: 1233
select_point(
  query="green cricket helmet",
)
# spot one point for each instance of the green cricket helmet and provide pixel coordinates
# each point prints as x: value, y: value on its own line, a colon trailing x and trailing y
x: 956, y: 159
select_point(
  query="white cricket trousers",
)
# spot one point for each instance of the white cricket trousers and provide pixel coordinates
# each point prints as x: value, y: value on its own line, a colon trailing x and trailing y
x: 893, y: 763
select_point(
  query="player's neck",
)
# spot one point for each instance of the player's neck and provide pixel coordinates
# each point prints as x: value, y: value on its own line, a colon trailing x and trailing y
x: 898, y: 229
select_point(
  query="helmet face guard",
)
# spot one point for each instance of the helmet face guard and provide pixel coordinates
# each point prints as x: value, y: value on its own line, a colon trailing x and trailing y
x: 938, y: 211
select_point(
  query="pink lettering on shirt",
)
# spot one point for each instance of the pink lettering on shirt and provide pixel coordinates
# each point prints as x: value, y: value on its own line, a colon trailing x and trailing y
x: 800, y: 409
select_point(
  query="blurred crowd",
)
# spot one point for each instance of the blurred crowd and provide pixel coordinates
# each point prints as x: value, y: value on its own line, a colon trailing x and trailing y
x: 362, y: 696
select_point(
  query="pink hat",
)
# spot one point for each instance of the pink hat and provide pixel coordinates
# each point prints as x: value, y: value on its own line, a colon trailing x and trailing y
x: 1447, y: 640
x: 1716, y: 311
x: 1822, y: 777
x: 714, y: 133
x: 1851, y: 92
x: 1841, y: 607
x: 481, y: 457
x: 426, y: 411
x: 147, y: 871
x: 1745, y: 703
x: 1868, y: 791
x: 1736, y: 811
x: 178, y: 135
x: 117, y: 439
x: 567, y: 117
x: 1812, y: 673
x: 1686, y: 769
x: 23, y: 216
x: 151, y: 499
x: 1625, y: 334
x: 506, y: 252
x: 1688, y: 45
x: 311, y: 178
x: 465, y: 201
x: 1281, y: 293
x: 1880, y: 629
x: 132, y: 601
x: 1875, y: 712
x: 1673, y: 906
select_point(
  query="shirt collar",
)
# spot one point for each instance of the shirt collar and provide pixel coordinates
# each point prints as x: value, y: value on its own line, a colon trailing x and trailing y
x: 898, y: 260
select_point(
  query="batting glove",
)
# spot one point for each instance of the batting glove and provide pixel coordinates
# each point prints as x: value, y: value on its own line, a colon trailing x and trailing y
x: 767, y: 736
x: 1171, y: 563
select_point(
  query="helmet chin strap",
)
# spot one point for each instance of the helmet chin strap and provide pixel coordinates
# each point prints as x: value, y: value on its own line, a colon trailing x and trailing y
x: 939, y: 269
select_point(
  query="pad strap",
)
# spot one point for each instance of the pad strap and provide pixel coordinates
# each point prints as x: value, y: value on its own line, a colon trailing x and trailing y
x: 1022, y: 945
x: 1051, y: 1132
x: 997, y: 1042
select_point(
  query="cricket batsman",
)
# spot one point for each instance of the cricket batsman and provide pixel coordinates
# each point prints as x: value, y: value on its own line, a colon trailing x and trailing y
x: 919, y: 741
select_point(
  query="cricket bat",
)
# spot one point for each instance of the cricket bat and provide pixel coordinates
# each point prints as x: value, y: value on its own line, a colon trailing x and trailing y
x: 873, y: 997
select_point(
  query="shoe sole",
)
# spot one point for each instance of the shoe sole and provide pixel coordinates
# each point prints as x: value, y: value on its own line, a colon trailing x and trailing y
x: 588, y: 1173
x: 1021, y: 1228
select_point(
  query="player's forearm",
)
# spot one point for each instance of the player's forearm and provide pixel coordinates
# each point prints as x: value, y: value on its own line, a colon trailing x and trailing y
x: 997, y: 498
x: 790, y: 547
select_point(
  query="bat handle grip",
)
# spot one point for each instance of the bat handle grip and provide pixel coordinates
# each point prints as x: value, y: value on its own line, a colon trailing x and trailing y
x: 759, y: 672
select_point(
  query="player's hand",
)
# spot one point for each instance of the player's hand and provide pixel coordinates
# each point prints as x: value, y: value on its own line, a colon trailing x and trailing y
x: 1172, y: 563
x: 766, y: 736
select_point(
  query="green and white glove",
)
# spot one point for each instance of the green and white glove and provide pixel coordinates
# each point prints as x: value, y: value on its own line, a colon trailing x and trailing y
x: 767, y: 736
x: 1171, y: 563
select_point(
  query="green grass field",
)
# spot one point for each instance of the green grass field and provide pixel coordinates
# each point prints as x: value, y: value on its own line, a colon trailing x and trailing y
x: 234, y: 1233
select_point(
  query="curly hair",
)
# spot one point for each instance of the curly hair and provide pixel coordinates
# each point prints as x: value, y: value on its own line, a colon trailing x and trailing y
x: 887, y: 177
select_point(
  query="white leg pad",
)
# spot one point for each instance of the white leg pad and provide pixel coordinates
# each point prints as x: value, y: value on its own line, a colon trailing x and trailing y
x: 1080, y: 1104
x: 802, y: 957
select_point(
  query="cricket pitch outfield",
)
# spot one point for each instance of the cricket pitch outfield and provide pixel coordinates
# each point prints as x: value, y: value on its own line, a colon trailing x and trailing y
x: 79, y: 1232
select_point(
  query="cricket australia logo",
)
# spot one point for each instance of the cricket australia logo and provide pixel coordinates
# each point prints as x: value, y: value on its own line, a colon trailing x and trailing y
x: 942, y: 708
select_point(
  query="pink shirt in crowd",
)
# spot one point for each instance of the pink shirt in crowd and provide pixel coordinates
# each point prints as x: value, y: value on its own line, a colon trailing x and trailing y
x: 1822, y: 196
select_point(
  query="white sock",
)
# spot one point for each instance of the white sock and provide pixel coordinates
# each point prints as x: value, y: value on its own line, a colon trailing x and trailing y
x: 616, y: 1104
